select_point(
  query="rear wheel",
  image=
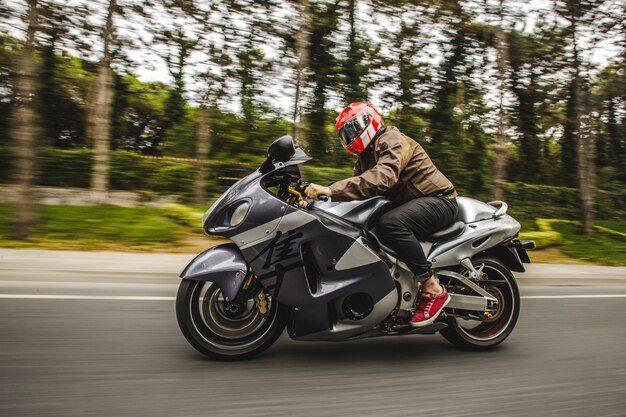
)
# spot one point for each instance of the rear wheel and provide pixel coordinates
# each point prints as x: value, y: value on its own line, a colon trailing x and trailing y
x: 493, y: 328
x: 222, y: 330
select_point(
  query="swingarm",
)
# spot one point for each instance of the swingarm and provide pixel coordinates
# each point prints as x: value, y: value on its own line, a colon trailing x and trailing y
x: 481, y: 303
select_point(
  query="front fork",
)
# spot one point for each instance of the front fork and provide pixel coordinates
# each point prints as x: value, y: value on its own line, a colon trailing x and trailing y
x: 252, y: 289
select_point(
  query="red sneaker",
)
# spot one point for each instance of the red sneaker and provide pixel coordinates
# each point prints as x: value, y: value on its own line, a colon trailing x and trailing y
x: 430, y: 308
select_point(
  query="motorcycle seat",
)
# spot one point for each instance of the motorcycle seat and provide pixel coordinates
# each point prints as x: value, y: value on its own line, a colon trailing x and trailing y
x: 447, y: 232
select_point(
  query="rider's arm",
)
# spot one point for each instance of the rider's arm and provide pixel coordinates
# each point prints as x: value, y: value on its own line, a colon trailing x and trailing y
x: 393, y: 155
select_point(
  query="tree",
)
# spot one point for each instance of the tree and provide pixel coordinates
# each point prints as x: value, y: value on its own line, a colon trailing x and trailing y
x: 446, y: 130
x: 25, y: 125
x: 577, y: 146
x: 302, y: 42
x: 404, y: 71
x: 356, y: 65
x: 99, y: 116
x: 322, y: 66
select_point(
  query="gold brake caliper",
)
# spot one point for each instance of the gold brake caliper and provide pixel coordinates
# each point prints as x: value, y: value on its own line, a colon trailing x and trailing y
x: 261, y: 302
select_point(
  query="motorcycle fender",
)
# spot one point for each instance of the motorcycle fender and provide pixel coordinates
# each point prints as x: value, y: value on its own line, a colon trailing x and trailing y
x: 224, y: 265
x: 509, y: 256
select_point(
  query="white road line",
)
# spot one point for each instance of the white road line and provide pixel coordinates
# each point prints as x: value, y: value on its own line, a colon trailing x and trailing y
x: 156, y: 298
x: 541, y: 297
x: 87, y: 297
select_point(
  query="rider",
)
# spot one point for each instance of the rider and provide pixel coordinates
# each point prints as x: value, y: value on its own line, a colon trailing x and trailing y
x: 397, y: 167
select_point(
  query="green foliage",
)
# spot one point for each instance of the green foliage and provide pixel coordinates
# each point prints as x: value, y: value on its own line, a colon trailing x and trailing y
x: 138, y: 115
x: 324, y: 175
x: 185, y: 215
x: 600, y: 247
x: 64, y: 168
x: 356, y: 65
x: 65, y: 84
x: 545, y: 235
x: 533, y: 201
x: 605, y: 245
x: 180, y: 139
x: 129, y: 171
x: 100, y: 224
x: 325, y: 19
x: 174, y: 178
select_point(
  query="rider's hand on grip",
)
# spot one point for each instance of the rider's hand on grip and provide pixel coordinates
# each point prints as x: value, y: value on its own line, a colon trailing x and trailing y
x: 315, y: 192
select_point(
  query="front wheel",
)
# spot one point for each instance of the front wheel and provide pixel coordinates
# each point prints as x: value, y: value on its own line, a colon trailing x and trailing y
x: 222, y: 330
x: 489, y: 331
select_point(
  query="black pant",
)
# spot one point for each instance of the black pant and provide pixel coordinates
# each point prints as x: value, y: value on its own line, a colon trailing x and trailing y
x: 401, y: 228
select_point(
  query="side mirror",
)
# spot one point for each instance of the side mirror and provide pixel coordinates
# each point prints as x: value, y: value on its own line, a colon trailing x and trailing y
x: 282, y: 149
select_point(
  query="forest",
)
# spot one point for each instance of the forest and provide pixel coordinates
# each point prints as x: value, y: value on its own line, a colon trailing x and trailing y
x: 514, y: 100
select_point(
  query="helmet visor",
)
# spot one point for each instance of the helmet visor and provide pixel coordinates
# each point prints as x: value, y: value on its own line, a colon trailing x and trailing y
x: 352, y: 129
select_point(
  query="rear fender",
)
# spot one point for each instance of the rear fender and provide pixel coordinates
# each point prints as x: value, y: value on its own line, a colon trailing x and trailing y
x: 507, y: 254
x: 223, y: 265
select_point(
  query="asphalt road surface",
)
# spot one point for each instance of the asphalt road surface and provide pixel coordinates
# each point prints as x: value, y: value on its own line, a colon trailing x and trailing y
x: 84, y: 349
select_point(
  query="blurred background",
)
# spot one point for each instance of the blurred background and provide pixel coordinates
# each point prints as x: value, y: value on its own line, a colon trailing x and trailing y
x: 120, y: 120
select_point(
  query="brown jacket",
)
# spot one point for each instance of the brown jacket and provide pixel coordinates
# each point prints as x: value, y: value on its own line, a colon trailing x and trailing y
x: 398, y: 168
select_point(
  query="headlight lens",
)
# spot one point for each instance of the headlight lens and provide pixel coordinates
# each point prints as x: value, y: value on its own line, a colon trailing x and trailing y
x: 239, y: 214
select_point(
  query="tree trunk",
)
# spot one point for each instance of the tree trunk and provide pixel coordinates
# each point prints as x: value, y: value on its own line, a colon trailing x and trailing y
x: 202, y: 154
x: 500, y: 163
x: 586, y: 169
x: 584, y: 140
x: 25, y: 129
x: 99, y: 124
x: 302, y: 54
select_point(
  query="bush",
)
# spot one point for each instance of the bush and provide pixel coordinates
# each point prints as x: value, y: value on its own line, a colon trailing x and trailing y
x: 132, y: 171
x: 129, y: 171
x: 184, y: 215
x: 64, y: 168
x: 533, y: 200
x: 323, y: 175
x: 174, y: 177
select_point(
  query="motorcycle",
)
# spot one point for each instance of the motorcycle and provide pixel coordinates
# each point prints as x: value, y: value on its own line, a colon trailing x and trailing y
x: 320, y: 270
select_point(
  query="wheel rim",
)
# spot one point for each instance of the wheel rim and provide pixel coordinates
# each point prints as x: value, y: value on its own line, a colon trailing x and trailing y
x: 488, y: 330
x: 228, y: 328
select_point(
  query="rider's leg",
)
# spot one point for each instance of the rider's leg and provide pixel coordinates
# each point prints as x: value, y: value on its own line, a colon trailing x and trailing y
x: 432, y: 286
x: 401, y: 228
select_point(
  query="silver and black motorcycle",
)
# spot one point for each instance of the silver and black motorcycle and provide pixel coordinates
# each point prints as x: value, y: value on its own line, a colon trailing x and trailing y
x: 320, y: 270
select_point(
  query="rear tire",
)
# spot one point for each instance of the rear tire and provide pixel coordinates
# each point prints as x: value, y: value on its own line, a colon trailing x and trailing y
x: 222, y: 334
x: 485, y: 335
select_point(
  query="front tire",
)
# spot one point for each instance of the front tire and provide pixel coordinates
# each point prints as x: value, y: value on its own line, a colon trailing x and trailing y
x: 219, y: 331
x: 483, y: 335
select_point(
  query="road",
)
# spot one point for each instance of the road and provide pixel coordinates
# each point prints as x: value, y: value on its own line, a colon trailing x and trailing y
x: 98, y: 348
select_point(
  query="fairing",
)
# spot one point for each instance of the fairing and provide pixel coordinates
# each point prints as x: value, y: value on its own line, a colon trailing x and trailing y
x: 223, y: 265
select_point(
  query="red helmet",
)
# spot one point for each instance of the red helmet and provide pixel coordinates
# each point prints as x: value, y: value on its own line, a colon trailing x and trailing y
x: 357, y: 125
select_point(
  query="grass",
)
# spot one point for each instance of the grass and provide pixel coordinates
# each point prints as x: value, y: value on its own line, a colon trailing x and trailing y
x: 606, y: 245
x: 95, y: 227
x: 601, y: 247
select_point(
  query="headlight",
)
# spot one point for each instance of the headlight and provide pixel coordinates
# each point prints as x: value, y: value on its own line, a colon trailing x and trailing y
x: 239, y: 214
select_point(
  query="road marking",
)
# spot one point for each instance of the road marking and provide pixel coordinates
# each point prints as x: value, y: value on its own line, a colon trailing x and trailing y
x: 87, y: 297
x: 157, y: 298
x: 542, y: 297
